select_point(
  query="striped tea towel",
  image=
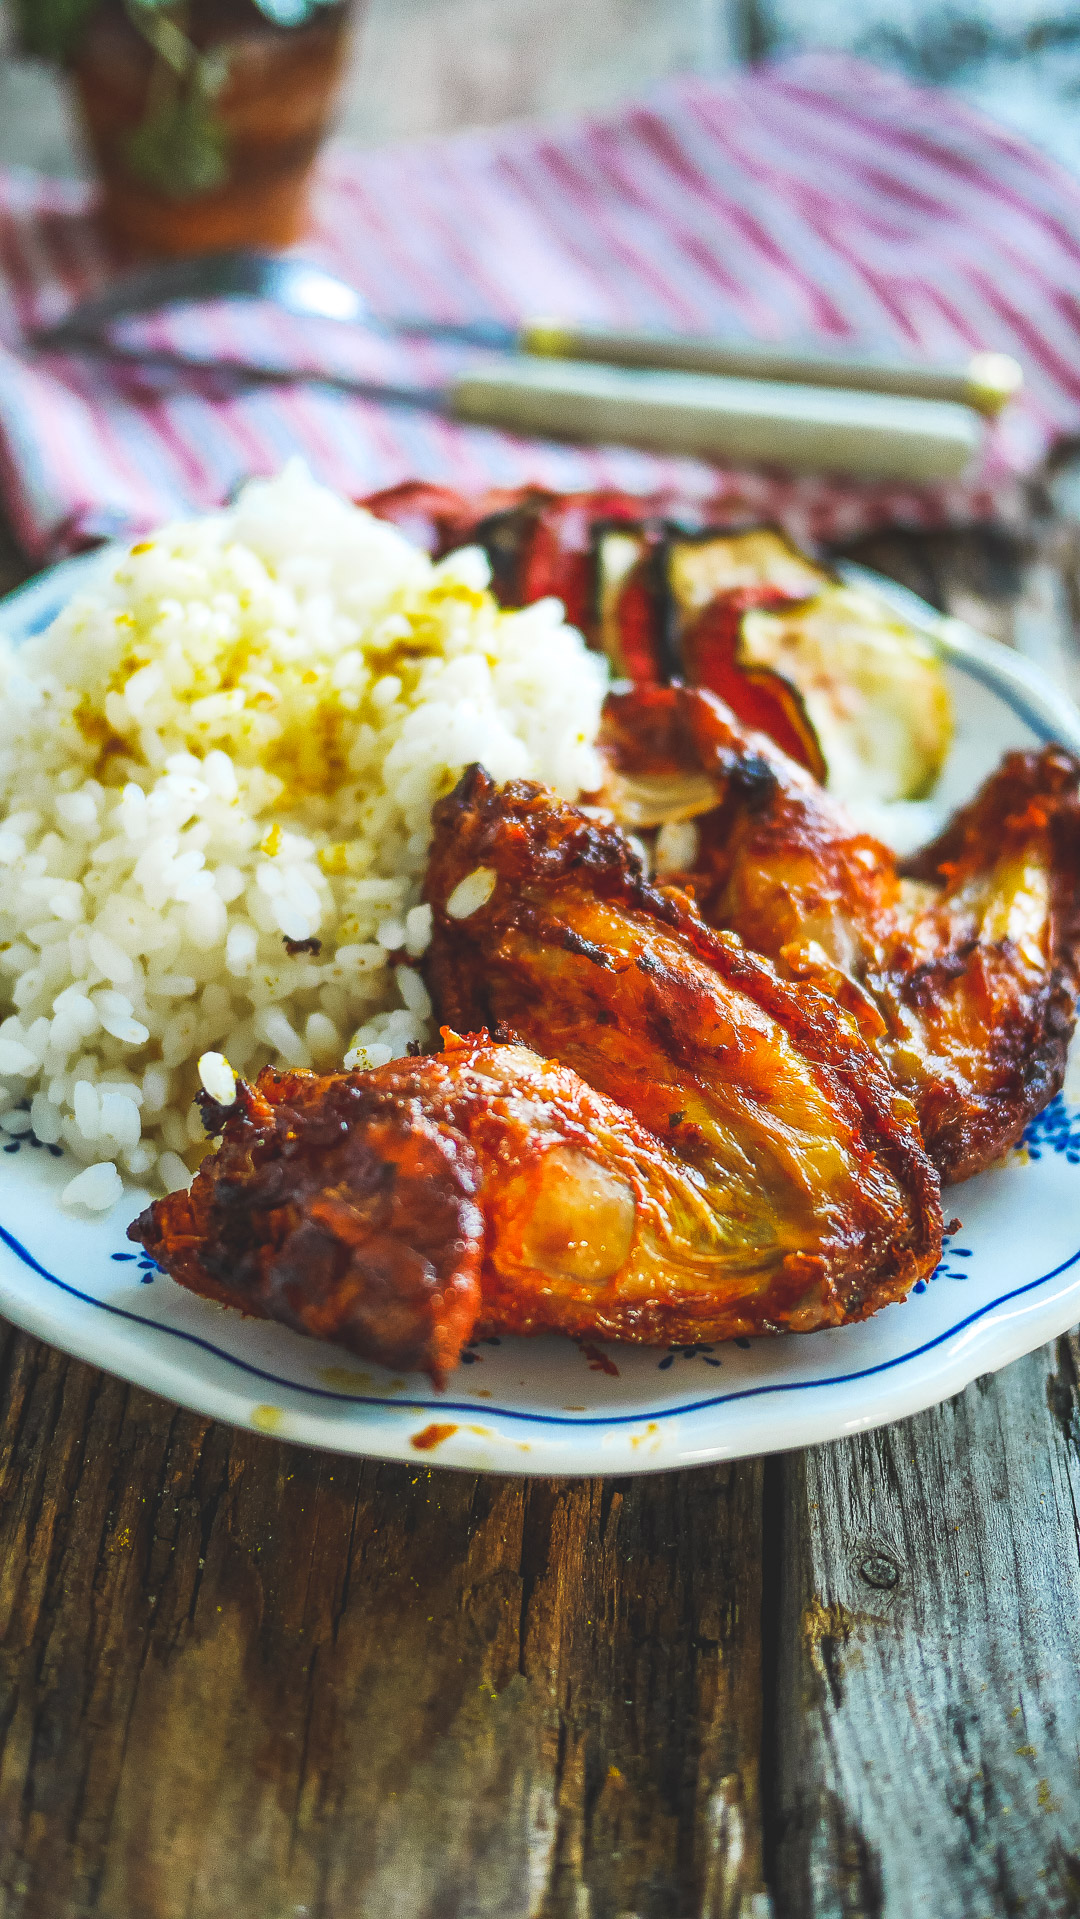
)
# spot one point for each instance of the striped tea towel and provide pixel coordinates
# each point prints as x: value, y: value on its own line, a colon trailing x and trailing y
x: 816, y: 199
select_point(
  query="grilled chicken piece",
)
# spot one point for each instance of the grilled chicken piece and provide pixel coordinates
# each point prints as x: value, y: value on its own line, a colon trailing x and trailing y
x: 484, y: 1189
x: 960, y: 965
x: 809, y: 1158
x: 337, y: 1206
x: 738, y: 1163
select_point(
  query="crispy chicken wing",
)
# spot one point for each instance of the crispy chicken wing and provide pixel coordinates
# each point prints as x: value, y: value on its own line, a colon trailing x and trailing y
x: 738, y: 1161
x: 397, y: 1211
x: 337, y: 1206
x: 810, y: 1159
x: 960, y: 965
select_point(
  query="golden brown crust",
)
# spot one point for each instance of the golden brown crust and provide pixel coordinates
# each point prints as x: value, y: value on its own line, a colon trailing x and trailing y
x: 399, y: 1211
x: 1007, y: 1005
x: 330, y: 1207
x: 961, y: 965
x: 766, y: 1087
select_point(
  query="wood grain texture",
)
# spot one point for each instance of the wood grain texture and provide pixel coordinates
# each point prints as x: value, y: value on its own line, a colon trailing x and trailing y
x: 926, y: 1746
x: 240, y: 1678
x: 243, y: 1678
x: 930, y: 1651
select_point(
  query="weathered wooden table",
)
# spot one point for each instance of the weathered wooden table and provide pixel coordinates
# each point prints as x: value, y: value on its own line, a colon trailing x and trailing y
x: 241, y: 1679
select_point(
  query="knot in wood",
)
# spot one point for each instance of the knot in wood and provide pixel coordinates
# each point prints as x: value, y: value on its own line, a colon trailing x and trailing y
x: 879, y: 1571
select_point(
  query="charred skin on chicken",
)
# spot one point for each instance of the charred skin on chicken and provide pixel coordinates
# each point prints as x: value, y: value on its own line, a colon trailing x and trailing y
x: 961, y: 965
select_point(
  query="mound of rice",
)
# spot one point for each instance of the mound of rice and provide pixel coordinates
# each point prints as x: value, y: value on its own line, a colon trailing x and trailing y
x: 228, y: 750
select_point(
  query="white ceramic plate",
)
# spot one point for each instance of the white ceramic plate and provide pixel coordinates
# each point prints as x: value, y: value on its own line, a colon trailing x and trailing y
x: 1010, y: 1278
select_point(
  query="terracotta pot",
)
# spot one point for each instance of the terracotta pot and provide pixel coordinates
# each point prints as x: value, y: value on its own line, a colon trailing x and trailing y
x: 269, y: 119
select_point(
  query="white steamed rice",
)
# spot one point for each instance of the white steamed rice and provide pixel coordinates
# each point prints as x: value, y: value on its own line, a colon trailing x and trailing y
x: 237, y: 741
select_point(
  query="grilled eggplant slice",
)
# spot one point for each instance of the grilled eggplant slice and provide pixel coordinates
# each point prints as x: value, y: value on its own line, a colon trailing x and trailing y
x: 830, y: 673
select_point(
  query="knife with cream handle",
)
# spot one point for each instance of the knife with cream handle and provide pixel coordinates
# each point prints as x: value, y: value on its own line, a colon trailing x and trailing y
x: 673, y: 394
x: 730, y: 422
x: 981, y: 380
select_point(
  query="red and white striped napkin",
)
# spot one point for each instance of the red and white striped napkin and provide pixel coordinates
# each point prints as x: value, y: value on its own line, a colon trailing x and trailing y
x: 812, y: 200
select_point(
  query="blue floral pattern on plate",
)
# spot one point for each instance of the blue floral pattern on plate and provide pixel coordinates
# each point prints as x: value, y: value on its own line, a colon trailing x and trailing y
x: 545, y: 1405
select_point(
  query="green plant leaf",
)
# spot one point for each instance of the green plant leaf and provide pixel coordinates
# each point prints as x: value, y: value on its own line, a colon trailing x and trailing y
x: 181, y: 148
x: 51, y: 29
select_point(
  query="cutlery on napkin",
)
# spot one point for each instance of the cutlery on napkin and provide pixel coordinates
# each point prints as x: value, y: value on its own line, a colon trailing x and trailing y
x: 733, y: 402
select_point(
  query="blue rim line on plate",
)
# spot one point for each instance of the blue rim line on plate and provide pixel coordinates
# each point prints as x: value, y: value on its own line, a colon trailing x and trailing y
x: 1019, y: 686
x: 509, y: 1412
x: 1018, y: 682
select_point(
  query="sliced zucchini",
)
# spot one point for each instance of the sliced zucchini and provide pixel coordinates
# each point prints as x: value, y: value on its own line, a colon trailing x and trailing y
x: 871, y: 688
x: 702, y: 567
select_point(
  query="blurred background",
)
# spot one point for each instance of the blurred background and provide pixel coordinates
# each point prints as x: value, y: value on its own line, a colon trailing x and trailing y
x: 429, y: 66
x: 206, y: 114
